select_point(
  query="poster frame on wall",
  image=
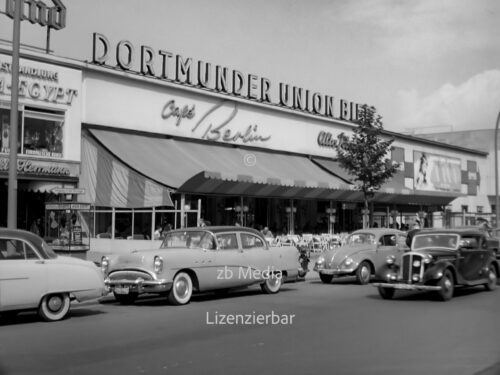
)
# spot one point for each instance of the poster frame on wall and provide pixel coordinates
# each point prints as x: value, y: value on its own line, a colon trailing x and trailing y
x: 436, y: 173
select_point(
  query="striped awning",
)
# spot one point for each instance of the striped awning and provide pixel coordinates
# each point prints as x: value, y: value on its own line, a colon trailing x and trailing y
x: 108, y: 182
x: 199, y: 167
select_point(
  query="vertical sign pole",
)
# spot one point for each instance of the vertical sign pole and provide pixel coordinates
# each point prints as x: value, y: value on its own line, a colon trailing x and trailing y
x: 497, y: 198
x: 12, y: 189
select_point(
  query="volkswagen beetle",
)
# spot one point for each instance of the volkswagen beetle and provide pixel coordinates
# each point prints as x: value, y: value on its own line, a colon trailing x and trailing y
x: 32, y: 276
x: 363, y: 253
x: 441, y: 260
x: 201, y: 259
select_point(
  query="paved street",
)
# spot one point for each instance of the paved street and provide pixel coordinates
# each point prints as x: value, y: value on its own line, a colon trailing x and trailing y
x: 340, y: 328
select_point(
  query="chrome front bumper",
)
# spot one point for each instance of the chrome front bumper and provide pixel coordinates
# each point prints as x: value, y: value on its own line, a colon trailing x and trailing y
x: 403, y: 286
x: 139, y: 285
x: 336, y: 271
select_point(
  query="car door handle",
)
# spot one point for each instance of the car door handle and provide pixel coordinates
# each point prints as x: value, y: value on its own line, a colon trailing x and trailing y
x: 40, y: 262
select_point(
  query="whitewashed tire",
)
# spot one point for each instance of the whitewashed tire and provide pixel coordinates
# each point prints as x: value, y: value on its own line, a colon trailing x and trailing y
x: 54, y: 307
x: 272, y: 284
x: 182, y: 289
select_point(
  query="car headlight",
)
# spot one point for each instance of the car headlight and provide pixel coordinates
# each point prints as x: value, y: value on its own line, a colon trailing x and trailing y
x: 320, y: 260
x: 428, y: 259
x: 104, y: 264
x: 348, y: 261
x: 158, y: 264
x: 391, y: 259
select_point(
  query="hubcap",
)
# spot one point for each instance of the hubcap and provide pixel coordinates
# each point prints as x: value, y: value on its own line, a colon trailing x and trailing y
x: 447, y: 284
x: 493, y: 277
x: 365, y: 273
x: 273, y: 281
x: 55, y: 303
x: 181, y: 287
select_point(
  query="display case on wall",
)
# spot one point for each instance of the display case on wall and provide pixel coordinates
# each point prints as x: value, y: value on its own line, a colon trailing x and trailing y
x: 66, y: 227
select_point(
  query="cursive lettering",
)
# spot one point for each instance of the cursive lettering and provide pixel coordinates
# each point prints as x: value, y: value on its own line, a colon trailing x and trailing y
x: 220, y: 132
x: 171, y: 110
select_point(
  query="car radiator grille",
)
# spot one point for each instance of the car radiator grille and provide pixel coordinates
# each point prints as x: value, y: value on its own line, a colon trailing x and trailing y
x: 412, y: 265
x: 130, y: 275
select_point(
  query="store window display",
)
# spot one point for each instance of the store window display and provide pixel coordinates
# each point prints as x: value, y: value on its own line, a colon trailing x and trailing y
x: 41, y: 132
x: 67, y: 226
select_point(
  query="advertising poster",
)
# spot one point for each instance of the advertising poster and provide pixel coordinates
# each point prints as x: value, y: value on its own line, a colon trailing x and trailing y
x: 436, y: 173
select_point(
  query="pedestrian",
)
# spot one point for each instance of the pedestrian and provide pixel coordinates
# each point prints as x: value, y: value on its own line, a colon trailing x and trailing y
x: 157, y: 233
x: 35, y: 226
x: 267, y: 233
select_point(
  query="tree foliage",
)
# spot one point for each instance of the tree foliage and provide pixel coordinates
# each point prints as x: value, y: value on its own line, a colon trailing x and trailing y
x: 364, y: 155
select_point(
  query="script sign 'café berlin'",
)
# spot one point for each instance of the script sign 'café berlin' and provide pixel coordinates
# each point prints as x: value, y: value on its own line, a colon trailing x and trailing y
x: 171, y: 67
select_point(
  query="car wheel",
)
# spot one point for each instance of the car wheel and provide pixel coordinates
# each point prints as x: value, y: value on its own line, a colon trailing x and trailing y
x: 327, y: 279
x: 272, y: 284
x: 492, y: 278
x: 447, y: 285
x: 386, y: 293
x: 363, y: 273
x: 54, y: 307
x: 182, y: 289
x: 126, y: 299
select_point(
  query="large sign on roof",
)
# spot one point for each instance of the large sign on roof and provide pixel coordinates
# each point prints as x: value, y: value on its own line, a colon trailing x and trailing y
x: 168, y: 66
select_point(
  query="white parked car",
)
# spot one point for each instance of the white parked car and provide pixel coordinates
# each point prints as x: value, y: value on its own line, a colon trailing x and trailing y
x: 198, y: 260
x: 33, y: 277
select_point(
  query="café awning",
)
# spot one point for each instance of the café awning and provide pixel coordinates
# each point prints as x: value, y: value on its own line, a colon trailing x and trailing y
x: 108, y: 182
x: 214, y: 168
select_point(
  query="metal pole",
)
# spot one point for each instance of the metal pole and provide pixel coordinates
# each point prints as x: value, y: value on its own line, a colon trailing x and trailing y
x: 497, y: 198
x: 12, y: 189
x: 47, y: 42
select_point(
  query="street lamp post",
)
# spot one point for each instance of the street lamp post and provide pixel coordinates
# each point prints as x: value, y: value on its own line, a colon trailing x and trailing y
x: 497, y: 198
x: 12, y: 189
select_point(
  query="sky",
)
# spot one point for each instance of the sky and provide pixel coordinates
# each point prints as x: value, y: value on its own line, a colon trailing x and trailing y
x: 425, y: 65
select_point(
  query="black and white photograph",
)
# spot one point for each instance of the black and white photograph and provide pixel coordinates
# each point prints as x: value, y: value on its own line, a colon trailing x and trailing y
x: 249, y: 187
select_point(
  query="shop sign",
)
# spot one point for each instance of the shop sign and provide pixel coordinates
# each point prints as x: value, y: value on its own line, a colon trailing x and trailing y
x: 326, y: 139
x: 216, y: 124
x: 38, y: 13
x: 67, y: 206
x: 37, y: 84
x: 436, y: 172
x: 40, y: 167
x: 165, y: 65
x: 68, y: 191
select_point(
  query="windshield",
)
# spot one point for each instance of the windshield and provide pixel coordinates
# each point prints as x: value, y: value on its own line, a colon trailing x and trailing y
x: 444, y: 241
x: 47, y: 252
x: 189, y: 240
x: 361, y: 239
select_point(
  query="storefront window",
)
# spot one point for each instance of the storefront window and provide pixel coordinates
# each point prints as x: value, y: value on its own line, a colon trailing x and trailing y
x: 43, y: 134
x: 123, y: 224
x: 40, y: 132
x: 5, y: 124
x: 142, y: 225
x: 103, y: 223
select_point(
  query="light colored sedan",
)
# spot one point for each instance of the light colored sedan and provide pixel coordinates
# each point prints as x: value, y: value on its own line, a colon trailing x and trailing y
x: 32, y: 276
x: 198, y: 260
x: 364, y: 252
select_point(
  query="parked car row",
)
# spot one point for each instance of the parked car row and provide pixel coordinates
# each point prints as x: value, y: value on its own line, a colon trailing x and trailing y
x: 221, y: 258
x: 437, y: 260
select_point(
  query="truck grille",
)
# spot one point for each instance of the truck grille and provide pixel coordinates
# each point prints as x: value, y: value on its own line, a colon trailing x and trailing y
x: 412, y: 265
x: 130, y: 275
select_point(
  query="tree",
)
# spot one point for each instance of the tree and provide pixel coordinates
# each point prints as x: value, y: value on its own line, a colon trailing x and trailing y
x: 364, y: 155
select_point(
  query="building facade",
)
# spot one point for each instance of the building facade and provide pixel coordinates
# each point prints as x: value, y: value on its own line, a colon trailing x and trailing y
x: 152, y: 140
